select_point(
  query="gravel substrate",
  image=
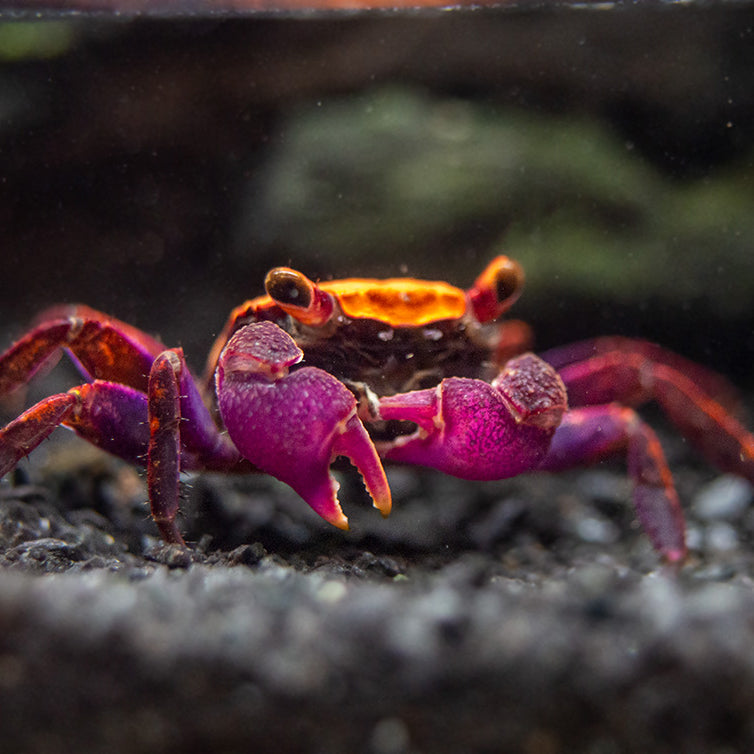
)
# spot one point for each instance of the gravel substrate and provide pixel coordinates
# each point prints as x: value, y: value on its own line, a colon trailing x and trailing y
x: 527, y: 616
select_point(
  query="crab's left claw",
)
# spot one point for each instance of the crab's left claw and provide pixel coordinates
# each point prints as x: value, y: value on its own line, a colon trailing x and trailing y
x: 476, y: 430
x: 292, y: 425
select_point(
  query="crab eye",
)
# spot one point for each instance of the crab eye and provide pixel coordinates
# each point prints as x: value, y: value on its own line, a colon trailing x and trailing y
x: 289, y: 288
x: 298, y: 296
x: 509, y: 279
x: 496, y: 289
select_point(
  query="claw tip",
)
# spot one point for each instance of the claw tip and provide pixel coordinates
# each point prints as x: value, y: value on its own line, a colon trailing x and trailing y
x: 339, y: 520
x: 384, y: 504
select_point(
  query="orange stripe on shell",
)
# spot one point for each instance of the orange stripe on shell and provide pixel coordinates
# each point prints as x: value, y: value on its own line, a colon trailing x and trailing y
x: 399, y: 302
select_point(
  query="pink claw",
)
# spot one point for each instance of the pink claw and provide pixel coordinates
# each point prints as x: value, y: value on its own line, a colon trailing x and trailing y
x: 475, y: 430
x: 292, y: 425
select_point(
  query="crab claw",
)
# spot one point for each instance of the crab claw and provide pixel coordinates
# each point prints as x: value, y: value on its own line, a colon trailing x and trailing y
x: 477, y: 430
x: 292, y: 425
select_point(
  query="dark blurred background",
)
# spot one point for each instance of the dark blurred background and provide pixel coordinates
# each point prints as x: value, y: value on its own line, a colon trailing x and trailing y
x: 157, y: 168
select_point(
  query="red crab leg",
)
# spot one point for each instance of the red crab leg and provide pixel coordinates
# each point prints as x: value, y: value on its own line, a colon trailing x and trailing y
x: 182, y: 436
x: 113, y: 417
x: 170, y: 430
x: 587, y: 435
x: 616, y: 348
x: 476, y: 430
x: 22, y: 435
x: 292, y: 425
x: 103, y: 348
x: 164, y: 454
x: 109, y: 415
x: 699, y: 402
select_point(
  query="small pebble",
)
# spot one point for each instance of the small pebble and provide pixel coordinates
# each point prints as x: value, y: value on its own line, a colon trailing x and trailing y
x: 599, y: 531
x: 725, y: 497
x: 390, y: 736
x: 721, y: 537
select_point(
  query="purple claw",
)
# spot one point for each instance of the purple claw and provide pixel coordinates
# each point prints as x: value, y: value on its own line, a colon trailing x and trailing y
x: 475, y: 430
x: 292, y: 425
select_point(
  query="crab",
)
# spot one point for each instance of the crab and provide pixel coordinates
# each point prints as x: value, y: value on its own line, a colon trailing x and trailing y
x: 399, y: 370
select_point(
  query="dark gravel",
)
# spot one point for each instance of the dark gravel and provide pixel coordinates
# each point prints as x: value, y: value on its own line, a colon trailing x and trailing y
x: 528, y: 616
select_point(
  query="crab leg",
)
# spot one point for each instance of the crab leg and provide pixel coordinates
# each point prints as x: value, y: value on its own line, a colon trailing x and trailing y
x: 477, y: 430
x: 587, y: 435
x: 613, y: 351
x: 22, y: 435
x: 113, y: 417
x: 292, y: 425
x: 102, y: 347
x: 699, y: 402
x: 109, y: 415
x: 182, y: 435
x: 164, y: 454
x: 169, y: 428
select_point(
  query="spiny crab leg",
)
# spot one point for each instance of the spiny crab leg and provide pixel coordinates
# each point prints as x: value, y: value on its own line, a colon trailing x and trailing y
x: 590, y: 434
x: 292, y: 425
x: 102, y: 347
x: 22, y: 435
x: 699, y: 402
x: 93, y: 410
x: 477, y: 430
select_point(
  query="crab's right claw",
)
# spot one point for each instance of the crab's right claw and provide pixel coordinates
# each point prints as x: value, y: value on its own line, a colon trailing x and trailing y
x: 292, y: 425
